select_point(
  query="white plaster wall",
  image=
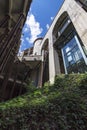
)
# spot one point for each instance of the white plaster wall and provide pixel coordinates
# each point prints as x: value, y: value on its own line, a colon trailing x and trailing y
x: 37, y: 47
x: 79, y: 18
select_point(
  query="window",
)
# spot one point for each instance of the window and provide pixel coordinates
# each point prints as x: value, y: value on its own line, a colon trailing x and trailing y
x: 74, y: 58
x: 64, y: 26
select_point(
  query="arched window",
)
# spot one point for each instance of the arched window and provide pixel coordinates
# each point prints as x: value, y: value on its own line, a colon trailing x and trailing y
x: 45, y: 51
x: 61, y: 24
x: 69, y: 46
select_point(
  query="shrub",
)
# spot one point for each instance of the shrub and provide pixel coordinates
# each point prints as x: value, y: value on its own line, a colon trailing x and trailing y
x: 62, y: 106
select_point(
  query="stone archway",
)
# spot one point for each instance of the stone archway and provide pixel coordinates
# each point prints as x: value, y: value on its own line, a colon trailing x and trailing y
x: 45, y: 63
x: 68, y: 45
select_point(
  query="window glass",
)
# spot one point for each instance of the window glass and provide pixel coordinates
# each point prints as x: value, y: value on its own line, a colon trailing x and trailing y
x: 73, y: 58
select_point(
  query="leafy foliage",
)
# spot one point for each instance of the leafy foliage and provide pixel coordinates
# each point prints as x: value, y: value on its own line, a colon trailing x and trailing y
x: 62, y: 106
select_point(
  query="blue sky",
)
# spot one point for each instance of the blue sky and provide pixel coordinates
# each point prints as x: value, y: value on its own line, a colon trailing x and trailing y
x: 39, y: 19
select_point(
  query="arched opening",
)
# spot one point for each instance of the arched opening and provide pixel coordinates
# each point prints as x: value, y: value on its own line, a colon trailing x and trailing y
x: 69, y: 47
x: 45, y: 63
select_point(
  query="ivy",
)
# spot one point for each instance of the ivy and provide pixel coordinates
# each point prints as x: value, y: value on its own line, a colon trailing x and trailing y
x: 61, y: 106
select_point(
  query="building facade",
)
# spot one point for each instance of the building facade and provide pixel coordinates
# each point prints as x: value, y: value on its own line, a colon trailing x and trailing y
x: 13, y: 14
x: 63, y: 50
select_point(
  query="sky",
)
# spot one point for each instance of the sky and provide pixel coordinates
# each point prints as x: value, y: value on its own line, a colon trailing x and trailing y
x: 39, y: 19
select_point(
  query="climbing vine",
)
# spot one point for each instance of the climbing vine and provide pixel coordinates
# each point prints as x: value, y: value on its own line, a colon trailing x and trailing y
x: 62, y: 106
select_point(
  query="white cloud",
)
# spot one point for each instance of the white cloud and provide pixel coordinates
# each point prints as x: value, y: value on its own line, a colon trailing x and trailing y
x: 47, y: 26
x: 23, y: 44
x: 28, y: 40
x: 52, y: 18
x: 26, y: 29
x: 33, y: 26
x: 22, y: 41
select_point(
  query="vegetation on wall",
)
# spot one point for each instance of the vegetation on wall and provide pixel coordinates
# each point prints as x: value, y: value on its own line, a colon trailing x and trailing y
x: 61, y: 106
